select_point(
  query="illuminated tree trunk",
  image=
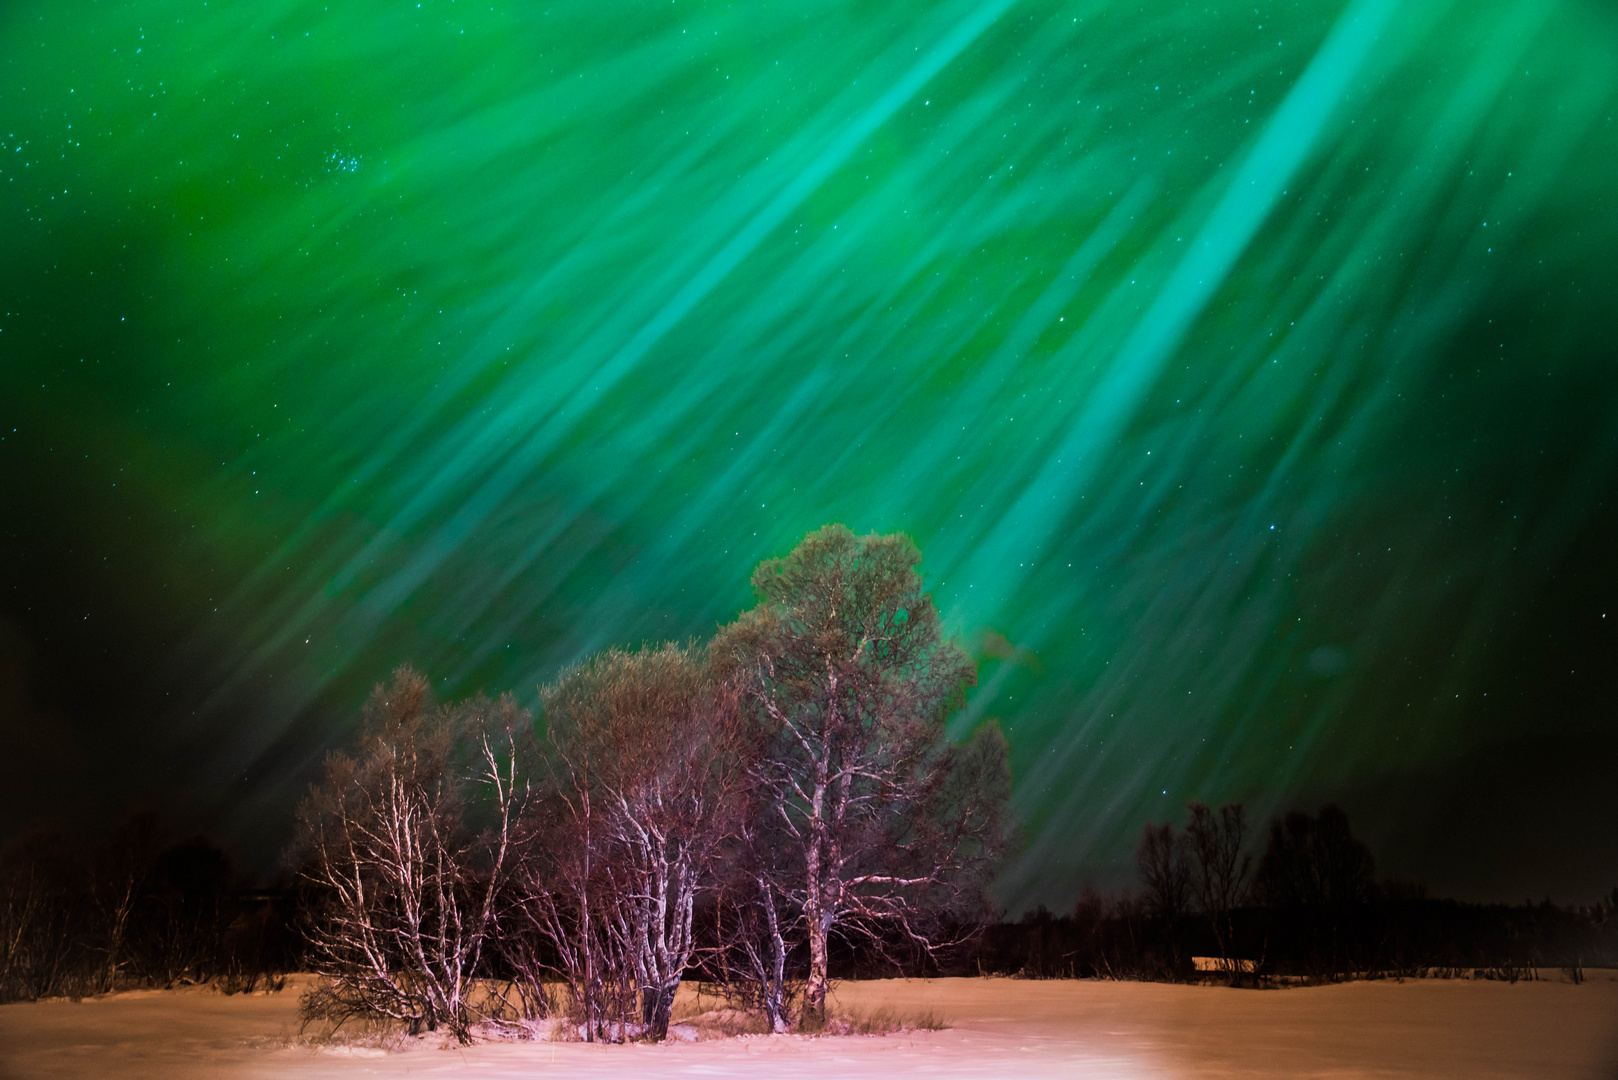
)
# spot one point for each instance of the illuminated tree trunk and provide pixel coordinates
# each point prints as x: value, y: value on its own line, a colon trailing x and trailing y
x: 815, y: 915
x: 775, y: 976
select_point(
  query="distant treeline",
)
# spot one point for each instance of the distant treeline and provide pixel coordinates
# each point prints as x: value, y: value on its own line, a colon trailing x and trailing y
x: 134, y: 911
x: 1310, y: 908
x: 1401, y: 934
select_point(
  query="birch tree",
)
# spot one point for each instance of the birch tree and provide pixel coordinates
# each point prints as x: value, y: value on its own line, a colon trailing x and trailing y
x: 647, y: 769
x: 845, y: 666
x: 406, y: 892
x: 756, y: 923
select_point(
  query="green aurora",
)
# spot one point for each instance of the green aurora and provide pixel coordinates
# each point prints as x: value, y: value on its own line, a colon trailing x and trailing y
x: 1245, y: 374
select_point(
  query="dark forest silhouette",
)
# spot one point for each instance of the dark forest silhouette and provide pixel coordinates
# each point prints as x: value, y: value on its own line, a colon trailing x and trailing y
x: 1309, y: 910
x: 136, y: 911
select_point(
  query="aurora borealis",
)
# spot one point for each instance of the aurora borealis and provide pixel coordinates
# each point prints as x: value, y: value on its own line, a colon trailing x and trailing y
x: 1246, y: 375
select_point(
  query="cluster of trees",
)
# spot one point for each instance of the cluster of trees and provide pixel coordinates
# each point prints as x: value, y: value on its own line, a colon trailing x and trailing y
x: 765, y: 809
x: 738, y: 806
x: 132, y: 912
x: 1312, y: 879
x: 1310, y: 907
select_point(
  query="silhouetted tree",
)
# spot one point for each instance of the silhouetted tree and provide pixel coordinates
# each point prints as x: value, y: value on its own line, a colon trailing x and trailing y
x: 1315, y: 877
x: 42, y: 924
x: 847, y: 669
x: 185, y: 905
x: 117, y: 874
x: 1165, y: 871
x: 1219, y: 869
x: 1314, y: 862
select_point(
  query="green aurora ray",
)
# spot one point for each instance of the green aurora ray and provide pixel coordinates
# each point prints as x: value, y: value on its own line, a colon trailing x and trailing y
x: 1242, y: 372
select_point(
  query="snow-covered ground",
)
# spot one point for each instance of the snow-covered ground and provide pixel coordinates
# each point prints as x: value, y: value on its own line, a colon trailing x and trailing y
x: 999, y: 1028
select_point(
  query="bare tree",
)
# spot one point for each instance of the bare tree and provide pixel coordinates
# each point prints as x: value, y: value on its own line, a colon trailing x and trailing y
x: 1219, y: 869
x: 1313, y: 877
x: 648, y: 766
x: 756, y: 922
x: 851, y: 677
x: 559, y: 919
x: 409, y: 892
x: 1314, y: 862
x: 1165, y: 871
x: 41, y: 947
x: 1163, y: 861
x: 118, y: 869
x: 183, y: 912
x: 23, y: 897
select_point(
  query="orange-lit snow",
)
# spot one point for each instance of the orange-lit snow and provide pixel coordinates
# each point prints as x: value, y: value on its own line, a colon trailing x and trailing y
x: 999, y: 1028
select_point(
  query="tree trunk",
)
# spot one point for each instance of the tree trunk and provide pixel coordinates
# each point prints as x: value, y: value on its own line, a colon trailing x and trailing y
x: 775, y: 977
x: 814, y: 990
x: 656, y: 1005
x: 815, y: 900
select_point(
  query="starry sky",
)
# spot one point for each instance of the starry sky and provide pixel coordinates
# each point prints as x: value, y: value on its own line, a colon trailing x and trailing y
x: 1245, y: 373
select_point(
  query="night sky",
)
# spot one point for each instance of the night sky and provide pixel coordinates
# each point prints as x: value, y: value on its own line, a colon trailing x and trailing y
x: 1246, y: 375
